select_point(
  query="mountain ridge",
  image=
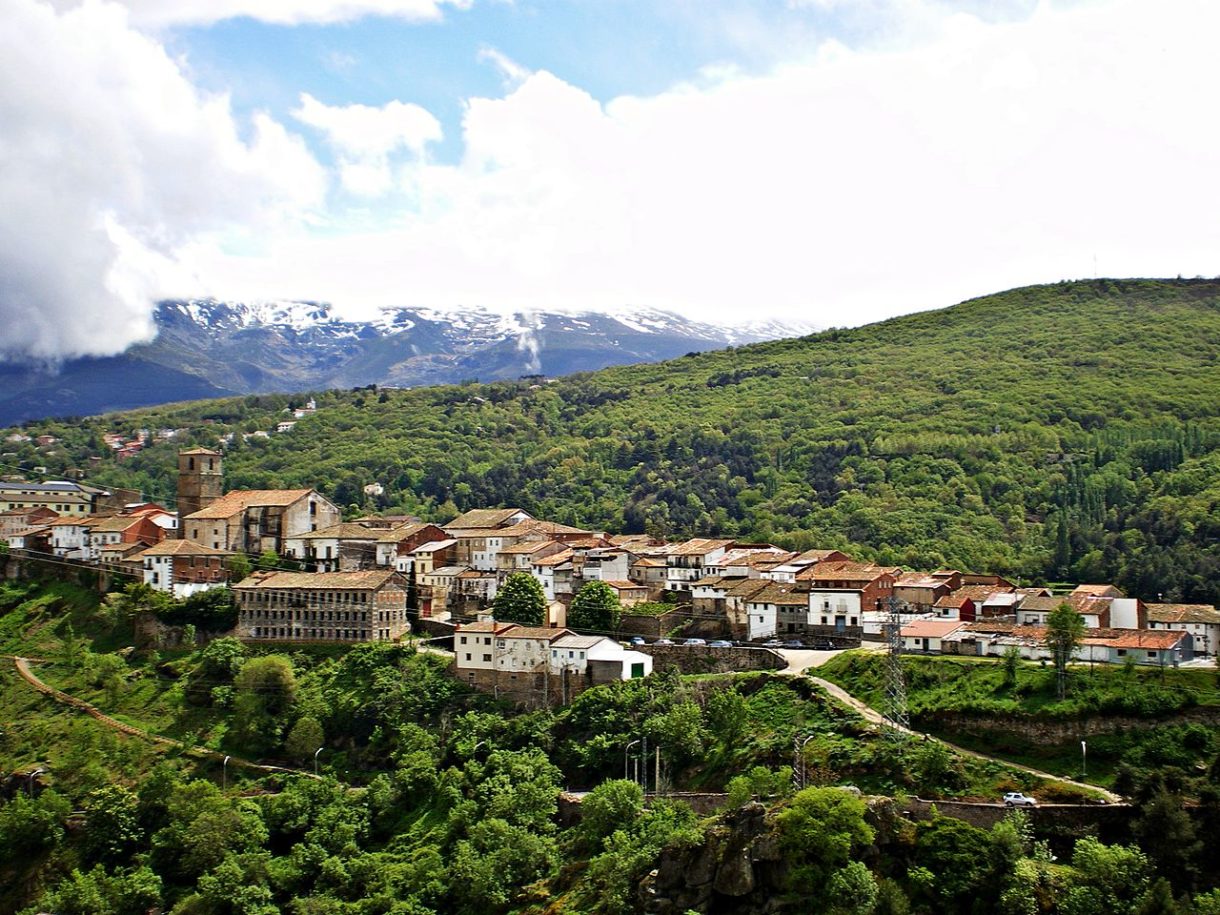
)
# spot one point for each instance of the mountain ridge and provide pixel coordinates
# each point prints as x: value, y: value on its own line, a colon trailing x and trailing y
x: 212, y: 348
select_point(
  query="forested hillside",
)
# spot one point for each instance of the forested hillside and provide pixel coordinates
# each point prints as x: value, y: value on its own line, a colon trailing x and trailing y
x: 1059, y: 432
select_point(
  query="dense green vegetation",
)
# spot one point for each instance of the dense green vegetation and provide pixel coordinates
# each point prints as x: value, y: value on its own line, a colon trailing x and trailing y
x: 1061, y: 432
x: 434, y: 798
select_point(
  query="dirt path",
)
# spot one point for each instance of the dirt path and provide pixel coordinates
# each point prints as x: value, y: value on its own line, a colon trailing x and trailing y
x: 871, y: 714
x: 23, y: 670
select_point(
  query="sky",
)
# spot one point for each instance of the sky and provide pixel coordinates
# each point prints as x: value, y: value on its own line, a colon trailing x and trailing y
x: 827, y: 162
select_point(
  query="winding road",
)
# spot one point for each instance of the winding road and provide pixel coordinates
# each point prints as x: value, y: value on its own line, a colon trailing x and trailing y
x: 799, y: 663
x: 23, y: 670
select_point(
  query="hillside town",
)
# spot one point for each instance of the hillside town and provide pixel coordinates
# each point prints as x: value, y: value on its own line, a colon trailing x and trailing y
x: 300, y: 573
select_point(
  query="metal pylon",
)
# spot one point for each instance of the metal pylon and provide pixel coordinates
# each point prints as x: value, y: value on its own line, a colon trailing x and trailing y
x: 895, y: 684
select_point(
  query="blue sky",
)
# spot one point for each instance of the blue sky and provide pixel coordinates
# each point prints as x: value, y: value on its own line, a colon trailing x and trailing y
x: 827, y: 162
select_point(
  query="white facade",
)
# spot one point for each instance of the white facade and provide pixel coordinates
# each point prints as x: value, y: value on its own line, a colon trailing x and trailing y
x: 474, y: 650
x: 70, y: 540
x: 630, y: 664
x: 836, y: 607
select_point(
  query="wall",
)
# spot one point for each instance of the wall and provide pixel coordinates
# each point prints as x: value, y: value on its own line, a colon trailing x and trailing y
x: 701, y: 659
x: 1049, y: 732
x: 651, y: 627
x: 1110, y: 822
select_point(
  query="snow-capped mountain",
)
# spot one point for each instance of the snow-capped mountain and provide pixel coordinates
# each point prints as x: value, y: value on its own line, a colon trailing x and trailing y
x: 206, y: 347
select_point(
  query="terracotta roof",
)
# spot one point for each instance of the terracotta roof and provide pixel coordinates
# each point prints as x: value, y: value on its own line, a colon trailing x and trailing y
x: 699, y: 546
x: 950, y: 601
x: 624, y: 585
x: 818, y: 555
x: 649, y: 563
x: 1041, y: 604
x: 1183, y: 613
x: 555, y: 559
x: 352, y: 581
x: 207, y: 451
x: 780, y: 595
x: 115, y: 523
x: 182, y: 548
x: 534, y: 526
x: 842, y: 571
x: 483, y: 626
x: 746, y: 587
x: 1151, y: 639
x: 930, y: 629
x: 482, y: 518
x: 402, y: 532
x: 529, y: 546
x: 239, y: 500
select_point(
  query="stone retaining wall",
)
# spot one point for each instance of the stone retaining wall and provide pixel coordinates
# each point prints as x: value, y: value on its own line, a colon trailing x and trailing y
x: 703, y: 659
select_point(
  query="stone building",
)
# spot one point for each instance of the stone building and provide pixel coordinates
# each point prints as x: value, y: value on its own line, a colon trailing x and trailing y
x: 322, y: 606
x: 253, y: 521
x: 183, y: 567
x: 200, y: 480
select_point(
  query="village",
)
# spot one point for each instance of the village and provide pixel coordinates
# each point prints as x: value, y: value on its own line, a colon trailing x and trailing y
x: 300, y: 573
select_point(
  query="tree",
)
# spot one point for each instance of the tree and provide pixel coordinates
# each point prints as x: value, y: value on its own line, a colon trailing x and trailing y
x: 1166, y: 832
x: 1012, y: 665
x: 268, y: 561
x: 239, y: 567
x: 612, y: 805
x: 820, y: 832
x: 212, y: 610
x: 112, y: 827
x: 852, y: 890
x: 1064, y: 630
x: 304, y: 739
x: 595, y: 607
x: 520, y: 600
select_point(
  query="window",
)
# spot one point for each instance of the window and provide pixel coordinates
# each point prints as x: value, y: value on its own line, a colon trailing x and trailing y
x: 463, y: 640
x: 467, y: 656
x: 487, y: 658
x: 1152, y: 654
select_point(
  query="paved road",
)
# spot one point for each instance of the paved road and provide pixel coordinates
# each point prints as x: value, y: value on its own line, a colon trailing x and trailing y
x: 800, y: 661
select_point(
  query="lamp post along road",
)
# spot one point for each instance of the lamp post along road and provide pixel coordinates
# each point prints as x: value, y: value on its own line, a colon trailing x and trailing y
x: 315, y: 760
x: 626, y: 758
x: 1084, y: 759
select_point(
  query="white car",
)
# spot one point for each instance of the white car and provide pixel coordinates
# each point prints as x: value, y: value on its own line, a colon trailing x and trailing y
x: 1017, y: 799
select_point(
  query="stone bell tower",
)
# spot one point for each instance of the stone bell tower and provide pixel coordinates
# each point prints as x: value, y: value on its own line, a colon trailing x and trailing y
x: 199, y: 482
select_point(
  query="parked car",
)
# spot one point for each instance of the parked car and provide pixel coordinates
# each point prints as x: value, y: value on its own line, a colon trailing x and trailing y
x: 663, y: 642
x: 695, y: 642
x: 773, y: 643
x: 638, y: 640
x: 720, y: 643
x: 1017, y: 799
x: 794, y: 643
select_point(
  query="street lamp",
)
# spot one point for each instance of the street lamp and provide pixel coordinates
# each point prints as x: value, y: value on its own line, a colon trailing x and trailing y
x: 315, y: 760
x: 29, y: 780
x: 224, y: 775
x: 626, y: 753
x: 1084, y: 750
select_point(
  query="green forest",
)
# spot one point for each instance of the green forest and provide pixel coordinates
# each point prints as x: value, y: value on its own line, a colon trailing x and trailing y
x: 431, y: 798
x: 1065, y: 432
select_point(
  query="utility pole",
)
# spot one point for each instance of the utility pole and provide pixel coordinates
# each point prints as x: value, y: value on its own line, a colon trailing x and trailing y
x: 657, y: 779
x: 644, y: 766
x: 895, y: 684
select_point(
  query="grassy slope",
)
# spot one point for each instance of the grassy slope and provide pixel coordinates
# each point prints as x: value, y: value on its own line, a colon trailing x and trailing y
x: 977, y: 687
x: 936, y: 438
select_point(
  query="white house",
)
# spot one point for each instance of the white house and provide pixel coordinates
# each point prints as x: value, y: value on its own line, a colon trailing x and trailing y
x: 1202, y: 621
x: 926, y: 635
x: 686, y: 562
x: 838, y: 607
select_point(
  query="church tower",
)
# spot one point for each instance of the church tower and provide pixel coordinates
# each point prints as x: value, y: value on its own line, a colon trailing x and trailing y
x: 199, y: 482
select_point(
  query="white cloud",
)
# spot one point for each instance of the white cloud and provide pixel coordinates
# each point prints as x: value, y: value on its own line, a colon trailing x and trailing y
x: 110, y: 160
x: 368, y: 138
x: 156, y: 13
x: 848, y: 187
